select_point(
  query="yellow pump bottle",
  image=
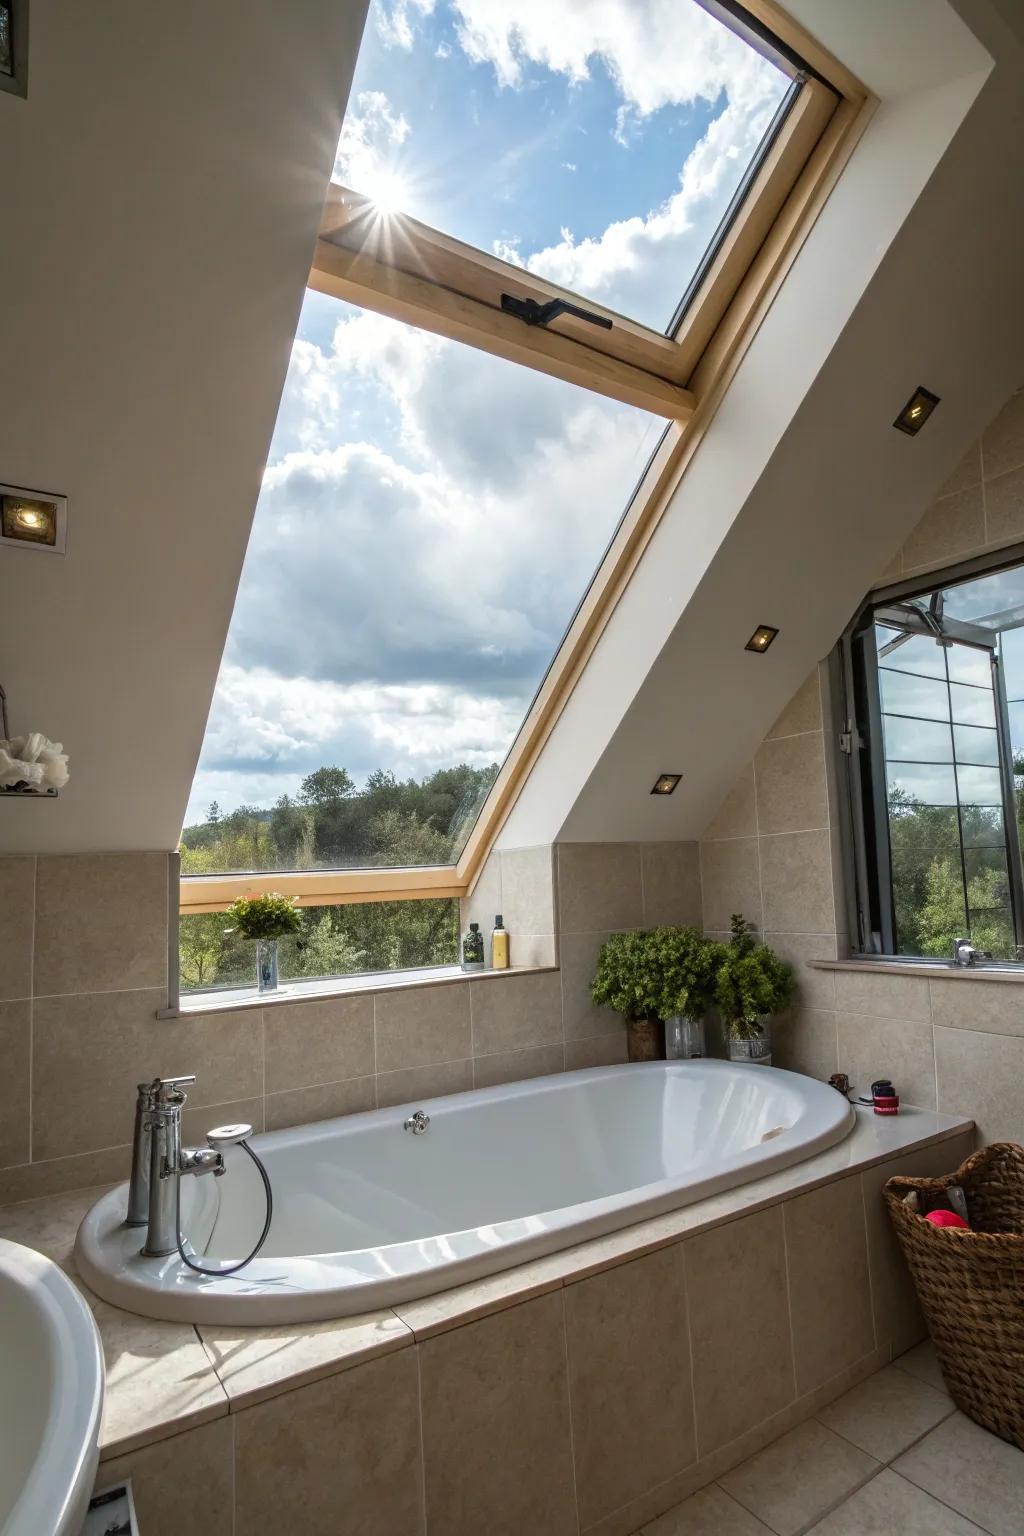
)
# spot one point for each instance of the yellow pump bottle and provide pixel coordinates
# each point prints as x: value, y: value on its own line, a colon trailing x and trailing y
x: 499, y: 945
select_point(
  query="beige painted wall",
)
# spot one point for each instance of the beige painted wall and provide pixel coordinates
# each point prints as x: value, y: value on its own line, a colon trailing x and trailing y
x: 772, y: 852
x: 83, y: 971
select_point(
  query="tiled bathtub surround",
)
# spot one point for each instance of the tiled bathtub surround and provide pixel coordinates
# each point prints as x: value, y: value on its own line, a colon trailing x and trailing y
x: 83, y: 971
x: 587, y: 1392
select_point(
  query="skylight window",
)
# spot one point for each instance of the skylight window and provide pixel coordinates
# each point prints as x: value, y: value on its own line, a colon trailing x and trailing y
x: 596, y: 146
x: 430, y: 518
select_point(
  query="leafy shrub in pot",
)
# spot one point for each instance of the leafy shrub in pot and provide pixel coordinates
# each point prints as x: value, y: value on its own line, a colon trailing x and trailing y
x: 751, y: 984
x: 651, y: 975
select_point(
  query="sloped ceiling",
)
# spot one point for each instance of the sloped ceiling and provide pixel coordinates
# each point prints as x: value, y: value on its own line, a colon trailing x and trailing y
x: 162, y: 185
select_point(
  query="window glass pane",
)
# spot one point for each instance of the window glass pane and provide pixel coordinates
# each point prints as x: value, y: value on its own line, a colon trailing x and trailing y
x: 1016, y: 712
x: 928, y: 783
x: 920, y: 697
x: 982, y: 826
x: 967, y: 665
x: 914, y: 653
x: 976, y: 745
x: 430, y: 518
x: 917, y: 740
x: 1011, y: 653
x: 593, y: 144
x: 332, y: 941
x: 979, y: 786
x: 922, y: 828
x: 972, y: 706
x: 928, y: 901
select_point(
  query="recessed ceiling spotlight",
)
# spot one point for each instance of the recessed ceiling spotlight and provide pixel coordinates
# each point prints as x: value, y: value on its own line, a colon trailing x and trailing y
x: 33, y: 520
x: 665, y: 783
x: 761, y: 639
x: 916, y: 411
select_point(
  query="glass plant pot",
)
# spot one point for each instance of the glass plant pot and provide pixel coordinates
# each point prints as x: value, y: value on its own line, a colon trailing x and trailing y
x: 684, y: 1038
x: 266, y: 965
x: 758, y: 1050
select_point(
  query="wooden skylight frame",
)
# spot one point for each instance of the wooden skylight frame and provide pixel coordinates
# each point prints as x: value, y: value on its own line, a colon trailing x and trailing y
x: 404, y: 269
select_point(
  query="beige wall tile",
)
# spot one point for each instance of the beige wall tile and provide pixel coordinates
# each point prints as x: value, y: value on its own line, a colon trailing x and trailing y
x: 416, y: 1083
x: 581, y: 1018
x: 951, y: 526
x: 338, y: 1458
x: 741, y: 1375
x: 900, y: 1049
x: 532, y: 949
x: 1004, y: 506
x: 796, y: 881
x: 159, y: 1379
x: 804, y: 1040
x: 967, y: 472
x: 830, y: 1293
x: 885, y: 997
x: 527, y: 890
x: 15, y: 1079
x: 303, y: 1106
x: 318, y: 1042
x: 601, y: 1051
x: 515, y: 1066
x: 886, y: 1413
x: 1003, y: 442
x: 789, y: 775
x: 599, y: 887
x: 496, y: 1435
x: 737, y: 814
x: 32, y: 1181
x: 513, y: 1012
x: 196, y: 1122
x: 795, y: 1481
x: 422, y: 1026
x: 17, y: 904
x: 802, y: 713
x: 185, y: 1483
x: 629, y: 1381
x: 816, y: 989
x: 485, y: 899
x: 101, y: 923
x: 731, y: 882
x: 95, y: 1049
x: 994, y: 1008
x: 671, y: 884
x: 982, y: 1076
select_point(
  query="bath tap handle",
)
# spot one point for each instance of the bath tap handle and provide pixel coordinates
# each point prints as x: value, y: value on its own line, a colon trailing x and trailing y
x: 167, y: 1090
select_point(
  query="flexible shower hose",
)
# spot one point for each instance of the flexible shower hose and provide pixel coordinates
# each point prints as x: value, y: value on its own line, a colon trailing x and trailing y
x: 216, y: 1274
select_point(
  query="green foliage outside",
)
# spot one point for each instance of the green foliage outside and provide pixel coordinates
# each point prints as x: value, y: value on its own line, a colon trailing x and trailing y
x: 927, y: 881
x: 657, y: 974
x: 332, y: 825
x: 751, y: 982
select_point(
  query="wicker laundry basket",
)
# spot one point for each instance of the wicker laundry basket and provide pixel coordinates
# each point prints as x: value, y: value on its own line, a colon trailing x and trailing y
x: 971, y: 1284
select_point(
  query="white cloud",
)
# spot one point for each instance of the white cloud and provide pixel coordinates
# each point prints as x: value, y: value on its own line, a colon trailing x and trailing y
x: 396, y: 26
x: 370, y: 135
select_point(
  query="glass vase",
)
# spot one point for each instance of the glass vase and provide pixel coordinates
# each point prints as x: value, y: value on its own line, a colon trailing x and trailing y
x: 758, y: 1051
x: 266, y: 965
x: 684, y: 1038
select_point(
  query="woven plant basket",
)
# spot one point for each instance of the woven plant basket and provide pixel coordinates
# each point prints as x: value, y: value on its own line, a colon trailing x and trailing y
x: 971, y: 1284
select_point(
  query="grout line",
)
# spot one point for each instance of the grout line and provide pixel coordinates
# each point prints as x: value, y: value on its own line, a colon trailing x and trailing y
x: 867, y: 1257
x: 560, y: 1293
x: 689, y: 1347
x: 233, y: 1420
x: 31, y: 1006
x: 757, y: 845
x: 415, y: 1346
x: 789, y: 1303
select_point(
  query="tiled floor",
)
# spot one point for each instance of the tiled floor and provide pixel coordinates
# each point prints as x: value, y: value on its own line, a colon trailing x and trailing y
x: 892, y: 1457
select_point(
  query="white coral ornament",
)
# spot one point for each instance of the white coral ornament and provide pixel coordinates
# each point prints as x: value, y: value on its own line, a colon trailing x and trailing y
x: 33, y: 760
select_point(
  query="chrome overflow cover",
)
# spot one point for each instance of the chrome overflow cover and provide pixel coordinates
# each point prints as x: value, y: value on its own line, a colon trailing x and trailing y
x: 417, y: 1122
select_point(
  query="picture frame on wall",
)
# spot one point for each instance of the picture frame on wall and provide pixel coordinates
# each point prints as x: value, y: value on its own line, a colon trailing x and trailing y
x: 14, y: 46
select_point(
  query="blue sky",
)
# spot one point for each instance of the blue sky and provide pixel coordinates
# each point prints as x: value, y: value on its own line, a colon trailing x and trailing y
x: 431, y: 515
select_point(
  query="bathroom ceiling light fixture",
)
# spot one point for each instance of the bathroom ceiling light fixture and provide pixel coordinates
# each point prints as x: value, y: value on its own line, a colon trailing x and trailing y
x: 916, y: 411
x: 665, y: 783
x: 761, y: 639
x: 33, y: 519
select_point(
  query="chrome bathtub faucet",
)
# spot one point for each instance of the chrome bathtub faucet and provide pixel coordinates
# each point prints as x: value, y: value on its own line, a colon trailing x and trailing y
x: 417, y: 1123
x: 159, y: 1161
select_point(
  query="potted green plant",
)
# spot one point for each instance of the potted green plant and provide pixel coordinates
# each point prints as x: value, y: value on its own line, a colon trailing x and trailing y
x: 628, y: 981
x: 265, y: 919
x: 688, y: 963
x: 751, y: 984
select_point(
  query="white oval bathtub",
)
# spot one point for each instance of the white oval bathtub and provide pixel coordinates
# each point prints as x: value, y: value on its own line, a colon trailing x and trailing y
x: 366, y: 1214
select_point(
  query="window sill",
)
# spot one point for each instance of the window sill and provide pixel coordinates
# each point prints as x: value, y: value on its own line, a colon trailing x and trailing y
x: 234, y: 999
x: 927, y: 968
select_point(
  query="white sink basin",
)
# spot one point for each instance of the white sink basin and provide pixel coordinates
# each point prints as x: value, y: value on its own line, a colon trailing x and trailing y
x: 51, y: 1393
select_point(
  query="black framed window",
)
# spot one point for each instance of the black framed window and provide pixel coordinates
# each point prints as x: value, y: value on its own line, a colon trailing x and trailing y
x: 933, y: 735
x: 14, y: 46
